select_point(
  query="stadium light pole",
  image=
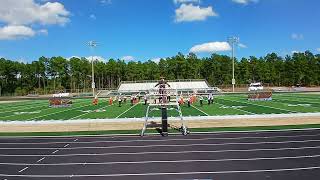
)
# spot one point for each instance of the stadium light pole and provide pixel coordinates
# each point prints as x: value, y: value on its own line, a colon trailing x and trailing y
x: 233, y: 41
x: 92, y: 45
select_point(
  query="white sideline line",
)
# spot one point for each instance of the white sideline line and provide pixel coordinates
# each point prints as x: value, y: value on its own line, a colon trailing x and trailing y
x: 23, y: 169
x: 200, y: 110
x: 165, y: 152
x: 134, y: 135
x: 168, y: 145
x: 173, y: 161
x: 238, y: 109
x: 127, y: 110
x: 187, y: 118
x: 168, y: 173
x: 262, y: 106
x: 167, y: 140
x: 89, y: 112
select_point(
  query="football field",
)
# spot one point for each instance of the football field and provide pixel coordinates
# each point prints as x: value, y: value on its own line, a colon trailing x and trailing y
x: 37, y: 110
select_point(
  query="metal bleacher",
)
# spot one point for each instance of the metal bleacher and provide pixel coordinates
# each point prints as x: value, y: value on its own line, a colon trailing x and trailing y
x: 180, y: 85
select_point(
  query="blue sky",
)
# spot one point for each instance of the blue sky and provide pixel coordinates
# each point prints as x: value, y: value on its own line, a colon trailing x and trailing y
x: 150, y: 29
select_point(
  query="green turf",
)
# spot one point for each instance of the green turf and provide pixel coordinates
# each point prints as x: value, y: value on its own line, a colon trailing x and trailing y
x: 223, y: 105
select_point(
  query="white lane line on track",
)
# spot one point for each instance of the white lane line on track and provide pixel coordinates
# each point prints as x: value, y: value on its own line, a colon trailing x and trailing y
x: 193, y: 134
x: 181, y: 145
x: 127, y: 110
x: 23, y: 169
x: 168, y: 173
x: 167, y: 140
x: 168, y: 152
x: 172, y: 161
x: 55, y: 151
x: 41, y: 159
x: 200, y: 110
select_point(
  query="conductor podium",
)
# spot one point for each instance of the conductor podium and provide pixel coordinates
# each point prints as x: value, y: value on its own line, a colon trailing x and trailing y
x: 159, y: 101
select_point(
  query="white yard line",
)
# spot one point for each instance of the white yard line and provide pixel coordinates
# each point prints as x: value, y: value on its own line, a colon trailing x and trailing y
x: 163, y: 140
x: 11, y: 106
x: 32, y: 106
x: 171, y: 145
x: 164, y: 152
x: 34, y: 118
x: 89, y: 112
x: 237, y: 109
x: 23, y: 114
x: 172, y: 161
x: 127, y: 110
x: 168, y: 173
x: 301, y: 99
x: 262, y: 106
x: 200, y: 110
x: 298, y: 101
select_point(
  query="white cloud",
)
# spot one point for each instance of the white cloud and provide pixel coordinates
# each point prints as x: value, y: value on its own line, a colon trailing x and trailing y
x: 105, y: 2
x: 296, y: 36
x: 95, y: 58
x: 211, y: 47
x: 128, y: 58
x: 156, y: 60
x: 318, y: 49
x: 24, y: 12
x: 93, y: 17
x: 15, y: 32
x: 241, y: 45
x: 73, y: 57
x: 292, y: 52
x: 19, y: 16
x: 244, y: 2
x: 189, y: 12
x: 43, y: 31
x: 186, y: 1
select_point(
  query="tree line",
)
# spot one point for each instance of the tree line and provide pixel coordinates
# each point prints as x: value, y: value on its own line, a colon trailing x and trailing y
x: 47, y: 75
